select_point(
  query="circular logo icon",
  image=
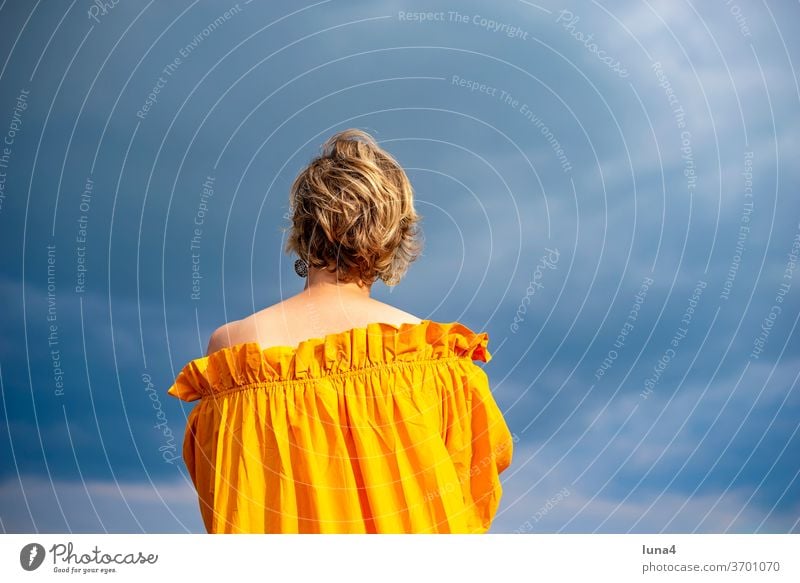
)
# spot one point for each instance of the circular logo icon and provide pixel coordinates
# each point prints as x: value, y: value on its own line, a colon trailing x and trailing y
x: 31, y: 556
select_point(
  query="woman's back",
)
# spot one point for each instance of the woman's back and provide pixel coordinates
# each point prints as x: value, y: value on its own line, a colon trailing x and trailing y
x: 331, y: 411
x: 312, y: 313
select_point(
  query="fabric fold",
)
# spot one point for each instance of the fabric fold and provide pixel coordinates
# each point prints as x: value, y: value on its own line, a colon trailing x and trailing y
x: 379, y: 429
x: 351, y: 350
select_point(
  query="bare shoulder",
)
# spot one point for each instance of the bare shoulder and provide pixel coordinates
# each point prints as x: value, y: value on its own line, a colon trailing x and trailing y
x: 392, y: 315
x: 223, y: 337
x: 290, y: 321
x: 303, y: 312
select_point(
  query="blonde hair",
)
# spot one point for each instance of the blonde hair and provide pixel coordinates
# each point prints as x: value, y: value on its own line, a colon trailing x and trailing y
x: 352, y: 212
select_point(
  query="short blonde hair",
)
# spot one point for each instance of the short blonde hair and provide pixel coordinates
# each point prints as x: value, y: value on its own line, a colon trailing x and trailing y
x: 352, y: 212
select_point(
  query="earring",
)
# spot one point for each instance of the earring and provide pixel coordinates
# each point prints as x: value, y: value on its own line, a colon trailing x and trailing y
x: 301, y: 268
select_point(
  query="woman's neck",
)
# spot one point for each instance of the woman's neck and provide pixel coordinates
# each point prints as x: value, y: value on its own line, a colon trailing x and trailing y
x: 320, y: 281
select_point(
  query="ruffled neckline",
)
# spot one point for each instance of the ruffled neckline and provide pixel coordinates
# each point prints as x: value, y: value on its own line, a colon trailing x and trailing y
x: 365, y: 347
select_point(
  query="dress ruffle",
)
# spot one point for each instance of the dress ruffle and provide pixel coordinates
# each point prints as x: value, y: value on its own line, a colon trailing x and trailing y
x: 379, y: 429
x: 341, y: 352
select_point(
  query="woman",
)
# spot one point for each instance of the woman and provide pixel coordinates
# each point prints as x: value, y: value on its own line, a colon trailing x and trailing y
x: 357, y: 417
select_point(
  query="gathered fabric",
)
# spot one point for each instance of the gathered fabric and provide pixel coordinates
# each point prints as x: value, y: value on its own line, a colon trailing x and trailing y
x: 378, y: 429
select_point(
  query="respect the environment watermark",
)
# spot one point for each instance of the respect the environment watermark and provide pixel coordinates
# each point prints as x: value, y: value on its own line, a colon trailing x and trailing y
x: 744, y: 227
x: 524, y: 109
x: 53, y: 337
x: 171, y: 68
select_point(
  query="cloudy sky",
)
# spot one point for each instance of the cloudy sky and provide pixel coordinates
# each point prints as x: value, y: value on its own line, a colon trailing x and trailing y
x: 608, y: 189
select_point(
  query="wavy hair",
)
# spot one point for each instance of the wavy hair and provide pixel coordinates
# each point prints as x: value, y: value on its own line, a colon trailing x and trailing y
x: 352, y: 212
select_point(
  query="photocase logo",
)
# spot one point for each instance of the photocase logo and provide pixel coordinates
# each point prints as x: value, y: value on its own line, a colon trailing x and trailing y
x: 31, y: 556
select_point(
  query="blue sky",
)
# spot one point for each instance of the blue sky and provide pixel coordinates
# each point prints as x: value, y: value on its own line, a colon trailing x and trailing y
x: 598, y: 182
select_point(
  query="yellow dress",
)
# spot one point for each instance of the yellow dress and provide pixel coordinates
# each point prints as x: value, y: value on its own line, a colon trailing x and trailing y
x: 380, y: 429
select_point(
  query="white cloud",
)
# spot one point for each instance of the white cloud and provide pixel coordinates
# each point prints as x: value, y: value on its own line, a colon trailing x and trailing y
x: 584, y: 508
x: 100, y: 506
